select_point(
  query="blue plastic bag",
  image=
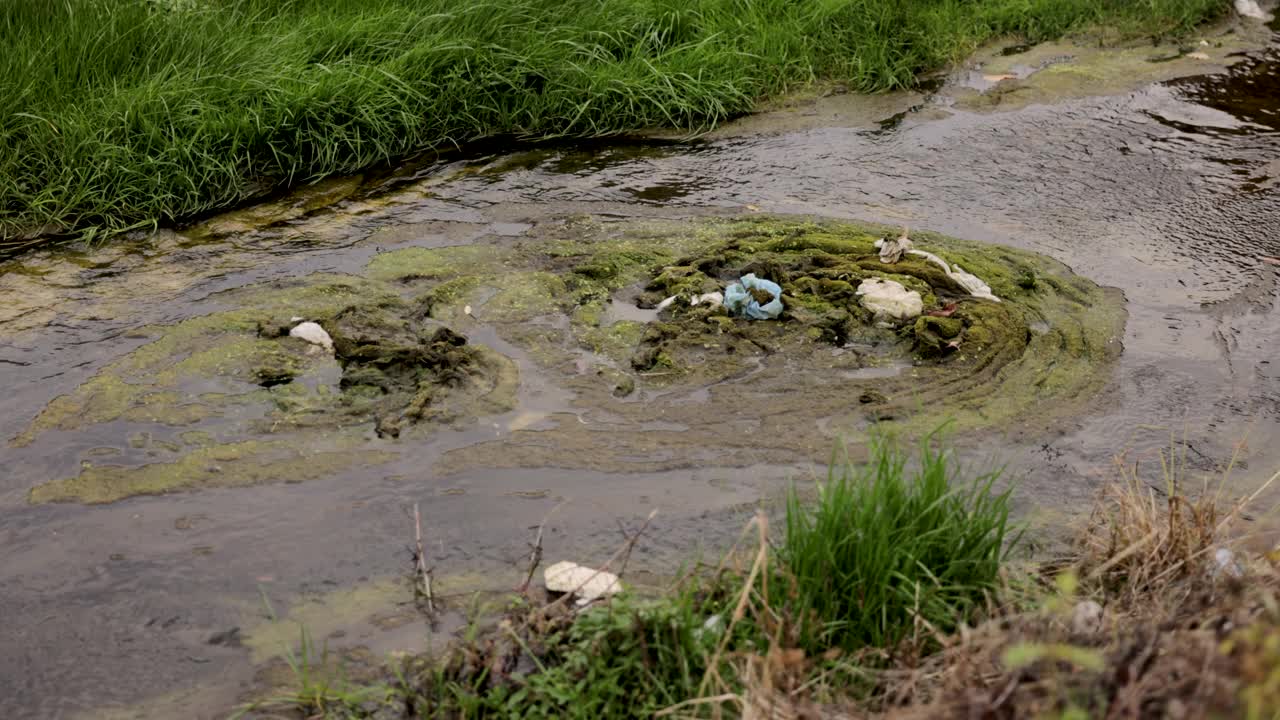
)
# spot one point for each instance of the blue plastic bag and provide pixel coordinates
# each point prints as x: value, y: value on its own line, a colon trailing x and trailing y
x: 739, y: 301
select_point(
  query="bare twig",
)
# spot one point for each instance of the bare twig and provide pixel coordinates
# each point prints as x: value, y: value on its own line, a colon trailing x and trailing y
x: 631, y: 542
x: 624, y: 551
x: 535, y: 555
x: 423, y: 573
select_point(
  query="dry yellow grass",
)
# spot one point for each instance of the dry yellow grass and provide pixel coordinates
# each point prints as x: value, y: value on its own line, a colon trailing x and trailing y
x: 1178, y: 636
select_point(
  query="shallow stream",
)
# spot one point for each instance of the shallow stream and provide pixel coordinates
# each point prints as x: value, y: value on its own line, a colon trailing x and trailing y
x: 1161, y: 179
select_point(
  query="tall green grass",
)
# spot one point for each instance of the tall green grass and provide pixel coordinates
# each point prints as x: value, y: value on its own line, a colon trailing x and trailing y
x: 887, y: 551
x: 120, y: 112
x: 898, y: 544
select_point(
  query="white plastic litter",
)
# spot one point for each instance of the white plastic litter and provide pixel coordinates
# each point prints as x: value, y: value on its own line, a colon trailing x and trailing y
x: 714, y: 299
x: 1225, y: 563
x: 972, y: 283
x: 933, y: 259
x: 890, y: 299
x: 1086, y: 618
x: 665, y: 303
x: 713, y: 625
x: 314, y: 334
x: 588, y: 584
x: 1250, y: 9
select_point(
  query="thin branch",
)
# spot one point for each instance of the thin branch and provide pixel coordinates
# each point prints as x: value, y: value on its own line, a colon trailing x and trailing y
x: 624, y: 551
x: 535, y: 555
x: 423, y: 586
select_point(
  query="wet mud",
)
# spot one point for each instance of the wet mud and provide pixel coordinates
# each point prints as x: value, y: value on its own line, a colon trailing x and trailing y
x: 177, y: 467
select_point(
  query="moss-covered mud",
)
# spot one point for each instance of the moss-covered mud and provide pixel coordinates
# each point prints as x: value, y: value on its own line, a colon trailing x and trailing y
x: 1011, y: 77
x: 243, y: 403
x: 693, y: 385
x: 275, y: 408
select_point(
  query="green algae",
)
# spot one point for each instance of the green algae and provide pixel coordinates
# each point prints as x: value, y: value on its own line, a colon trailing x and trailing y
x: 377, y: 604
x: 693, y: 387
x: 239, y: 464
x: 1065, y: 70
x: 302, y: 201
x: 238, y: 371
x: 616, y: 341
x: 825, y: 368
x: 321, y: 615
x: 443, y: 263
x: 523, y: 297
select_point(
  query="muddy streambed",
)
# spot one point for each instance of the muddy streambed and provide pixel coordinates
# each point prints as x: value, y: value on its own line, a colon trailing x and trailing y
x: 184, y: 481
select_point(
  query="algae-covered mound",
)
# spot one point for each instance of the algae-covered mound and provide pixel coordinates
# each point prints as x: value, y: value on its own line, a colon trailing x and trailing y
x: 395, y: 370
x: 821, y: 276
x: 724, y: 389
x: 623, y: 379
x: 270, y: 407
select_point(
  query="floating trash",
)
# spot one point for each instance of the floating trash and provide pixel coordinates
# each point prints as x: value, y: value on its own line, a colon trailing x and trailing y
x: 889, y: 299
x: 314, y: 334
x: 588, y: 584
x: 754, y: 298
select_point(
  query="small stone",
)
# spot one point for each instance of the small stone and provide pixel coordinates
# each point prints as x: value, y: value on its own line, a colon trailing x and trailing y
x: 229, y: 637
x: 1086, y: 618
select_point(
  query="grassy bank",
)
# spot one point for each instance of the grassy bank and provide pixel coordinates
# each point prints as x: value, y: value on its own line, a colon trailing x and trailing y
x: 127, y: 112
x: 887, y: 594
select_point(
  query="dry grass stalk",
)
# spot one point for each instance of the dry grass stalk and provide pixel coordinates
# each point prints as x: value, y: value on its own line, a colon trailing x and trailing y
x: 422, y: 573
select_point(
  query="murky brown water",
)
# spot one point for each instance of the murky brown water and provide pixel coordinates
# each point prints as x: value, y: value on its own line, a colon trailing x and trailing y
x: 1170, y: 192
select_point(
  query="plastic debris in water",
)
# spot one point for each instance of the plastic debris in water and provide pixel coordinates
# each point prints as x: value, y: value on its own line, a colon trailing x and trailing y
x: 1224, y: 563
x: 972, y: 283
x: 586, y: 583
x: 1086, y: 618
x: 754, y: 298
x: 314, y: 334
x: 889, y: 299
x: 713, y: 299
x: 891, y: 250
x: 1250, y: 9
